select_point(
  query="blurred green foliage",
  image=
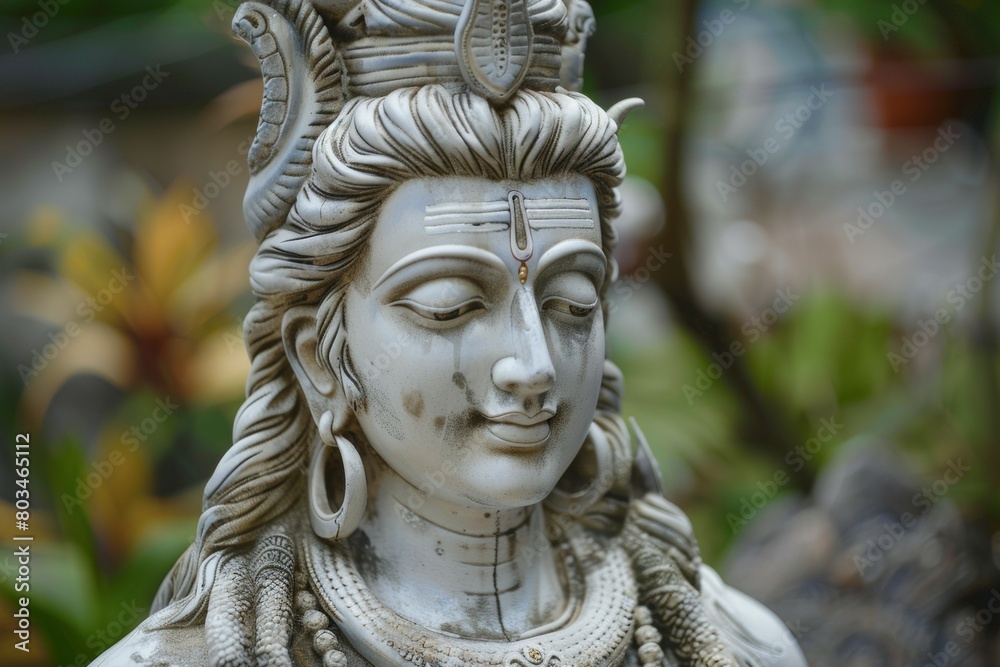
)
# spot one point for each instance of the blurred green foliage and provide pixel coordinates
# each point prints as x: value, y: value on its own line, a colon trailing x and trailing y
x: 925, y: 27
x: 826, y: 361
x: 99, y: 10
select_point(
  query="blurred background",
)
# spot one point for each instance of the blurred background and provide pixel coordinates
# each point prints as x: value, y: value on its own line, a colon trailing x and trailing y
x: 807, y: 318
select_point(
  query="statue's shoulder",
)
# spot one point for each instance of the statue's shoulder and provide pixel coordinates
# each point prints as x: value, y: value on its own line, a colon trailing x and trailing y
x: 662, y: 540
x: 152, y: 646
x: 748, y: 627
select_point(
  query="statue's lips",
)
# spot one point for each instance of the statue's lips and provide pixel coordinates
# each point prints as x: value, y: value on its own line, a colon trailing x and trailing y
x: 517, y: 428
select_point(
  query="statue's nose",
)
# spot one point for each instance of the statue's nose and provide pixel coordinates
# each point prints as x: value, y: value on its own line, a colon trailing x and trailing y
x: 527, y: 370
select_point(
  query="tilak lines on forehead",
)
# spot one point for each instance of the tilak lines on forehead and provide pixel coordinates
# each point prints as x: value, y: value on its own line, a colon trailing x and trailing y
x: 516, y: 214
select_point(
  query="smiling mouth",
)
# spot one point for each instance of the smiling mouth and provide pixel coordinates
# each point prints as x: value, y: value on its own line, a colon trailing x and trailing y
x: 517, y: 428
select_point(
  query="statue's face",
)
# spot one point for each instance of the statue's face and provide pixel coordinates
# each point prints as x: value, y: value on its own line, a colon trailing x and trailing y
x: 479, y: 388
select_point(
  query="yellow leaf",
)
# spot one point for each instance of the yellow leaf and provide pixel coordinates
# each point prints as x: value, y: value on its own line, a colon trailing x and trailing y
x: 219, y: 369
x: 168, y: 248
x: 96, y: 349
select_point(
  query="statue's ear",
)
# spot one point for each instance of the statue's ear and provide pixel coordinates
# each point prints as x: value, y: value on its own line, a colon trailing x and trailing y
x: 322, y: 391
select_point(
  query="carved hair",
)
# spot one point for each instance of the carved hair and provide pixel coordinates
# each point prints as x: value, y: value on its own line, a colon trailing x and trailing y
x: 373, y: 146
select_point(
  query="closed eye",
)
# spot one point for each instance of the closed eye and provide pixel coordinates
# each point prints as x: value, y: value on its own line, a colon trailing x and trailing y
x: 441, y: 313
x: 568, y: 306
x: 570, y: 293
x: 445, y: 300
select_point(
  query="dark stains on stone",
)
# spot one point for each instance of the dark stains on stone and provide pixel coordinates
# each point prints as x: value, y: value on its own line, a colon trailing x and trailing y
x: 414, y: 403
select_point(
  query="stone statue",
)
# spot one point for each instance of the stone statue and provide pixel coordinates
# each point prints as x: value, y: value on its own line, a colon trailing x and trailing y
x: 430, y: 468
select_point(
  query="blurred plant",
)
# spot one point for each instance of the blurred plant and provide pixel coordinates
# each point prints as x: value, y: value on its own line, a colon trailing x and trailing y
x: 826, y: 362
x: 153, y: 310
x: 150, y: 312
x: 101, y: 538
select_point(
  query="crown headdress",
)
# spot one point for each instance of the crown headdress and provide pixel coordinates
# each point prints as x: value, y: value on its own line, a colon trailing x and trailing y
x: 316, y: 55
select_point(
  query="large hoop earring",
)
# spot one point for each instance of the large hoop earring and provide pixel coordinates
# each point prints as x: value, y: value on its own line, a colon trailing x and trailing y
x: 576, y: 503
x: 353, y: 489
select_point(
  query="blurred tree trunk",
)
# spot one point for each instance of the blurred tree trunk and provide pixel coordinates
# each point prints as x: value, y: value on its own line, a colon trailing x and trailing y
x: 976, y: 45
x: 765, y: 427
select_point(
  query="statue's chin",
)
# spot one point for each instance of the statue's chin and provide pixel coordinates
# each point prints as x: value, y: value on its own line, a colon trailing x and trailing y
x: 510, y: 482
x: 506, y: 491
x: 512, y: 499
x: 483, y: 476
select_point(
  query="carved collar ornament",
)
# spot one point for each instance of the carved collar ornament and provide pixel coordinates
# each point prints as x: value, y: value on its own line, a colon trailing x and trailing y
x: 431, y: 468
x: 595, y: 629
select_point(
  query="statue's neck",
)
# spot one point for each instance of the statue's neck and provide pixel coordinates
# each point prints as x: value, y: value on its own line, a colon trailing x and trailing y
x: 460, y: 569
